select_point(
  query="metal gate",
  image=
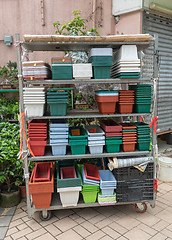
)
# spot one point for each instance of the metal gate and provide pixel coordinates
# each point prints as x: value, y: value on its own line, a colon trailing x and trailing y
x: 154, y: 24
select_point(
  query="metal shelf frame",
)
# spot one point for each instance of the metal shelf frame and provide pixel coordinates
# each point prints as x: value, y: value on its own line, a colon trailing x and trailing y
x: 82, y: 46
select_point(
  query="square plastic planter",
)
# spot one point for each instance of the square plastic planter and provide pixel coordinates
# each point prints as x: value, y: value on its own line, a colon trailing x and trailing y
x: 95, y: 149
x: 69, y: 196
x: 34, y: 109
x: 113, y: 148
x: 142, y: 108
x: 128, y: 146
x: 58, y: 149
x: 125, y: 108
x: 110, y: 125
x: 91, y: 172
x: 38, y: 147
x: 107, y: 191
x: 143, y: 146
x: 101, y: 72
x: 67, y: 172
x: 82, y: 70
x: 41, y: 191
x: 106, y: 199
x: 89, y: 197
x: 42, y: 172
x: 106, y: 107
x: 58, y: 109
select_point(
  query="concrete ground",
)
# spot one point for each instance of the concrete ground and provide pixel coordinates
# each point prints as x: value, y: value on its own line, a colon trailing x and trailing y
x: 105, y: 223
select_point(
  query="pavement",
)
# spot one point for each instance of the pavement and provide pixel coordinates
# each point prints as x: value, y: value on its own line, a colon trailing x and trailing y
x: 105, y: 223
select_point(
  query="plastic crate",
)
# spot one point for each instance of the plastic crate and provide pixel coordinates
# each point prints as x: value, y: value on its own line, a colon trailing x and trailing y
x: 101, y: 72
x: 132, y: 173
x: 135, y: 191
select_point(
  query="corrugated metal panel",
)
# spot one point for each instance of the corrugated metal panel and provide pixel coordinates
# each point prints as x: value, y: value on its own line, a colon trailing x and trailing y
x: 162, y: 26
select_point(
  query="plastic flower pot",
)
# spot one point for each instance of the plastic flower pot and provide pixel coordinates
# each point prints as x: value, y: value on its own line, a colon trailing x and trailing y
x: 113, y: 134
x: 128, y: 146
x: 42, y: 172
x: 82, y: 70
x: 69, y: 196
x: 58, y: 109
x: 82, y: 135
x: 110, y: 126
x: 107, y: 107
x: 91, y: 172
x: 38, y: 147
x: 106, y: 98
x: 89, y: 197
x: 92, y: 130
x: 42, y: 191
x: 75, y: 132
x: 37, y: 138
x: 125, y: 108
x: 145, y: 146
x: 113, y: 148
x: 128, y: 126
x: 67, y: 172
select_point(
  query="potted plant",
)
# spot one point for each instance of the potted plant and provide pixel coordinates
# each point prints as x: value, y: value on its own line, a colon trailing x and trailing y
x: 9, y: 163
x: 9, y: 74
x: 9, y: 108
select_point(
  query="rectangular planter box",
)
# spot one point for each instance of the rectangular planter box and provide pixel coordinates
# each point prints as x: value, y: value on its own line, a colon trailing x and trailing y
x: 41, y: 191
x: 42, y: 172
x: 91, y: 172
x: 38, y: 148
x: 110, y: 126
x: 97, y: 149
x: 58, y: 109
x: 67, y: 172
x: 69, y: 196
x: 34, y: 109
x: 82, y: 70
x: 89, y: 197
x: 101, y: 72
x: 58, y: 149
x: 107, y: 191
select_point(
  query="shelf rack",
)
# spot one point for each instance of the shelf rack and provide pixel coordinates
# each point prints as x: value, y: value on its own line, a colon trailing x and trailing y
x: 41, y: 43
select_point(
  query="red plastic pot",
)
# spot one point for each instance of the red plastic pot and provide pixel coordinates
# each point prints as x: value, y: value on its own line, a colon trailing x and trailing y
x: 91, y: 172
x: 40, y: 122
x: 113, y: 134
x: 37, y: 138
x: 68, y: 172
x: 125, y: 108
x: 126, y: 139
x: 128, y: 126
x: 42, y: 172
x: 126, y: 92
x: 106, y: 98
x: 38, y: 147
x: 110, y: 125
x: 128, y: 146
x: 107, y: 107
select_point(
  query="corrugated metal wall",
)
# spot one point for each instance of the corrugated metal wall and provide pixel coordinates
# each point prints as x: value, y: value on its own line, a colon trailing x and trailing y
x: 163, y: 27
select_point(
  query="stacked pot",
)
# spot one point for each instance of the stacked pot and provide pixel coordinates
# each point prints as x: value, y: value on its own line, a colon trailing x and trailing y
x: 37, y: 133
x: 96, y: 139
x: 129, y: 137
x: 106, y: 101
x: 59, y: 130
x: 126, y: 63
x: 58, y: 103
x: 82, y: 71
x: 34, y: 101
x: 126, y: 101
x: 113, y: 133
x: 61, y: 68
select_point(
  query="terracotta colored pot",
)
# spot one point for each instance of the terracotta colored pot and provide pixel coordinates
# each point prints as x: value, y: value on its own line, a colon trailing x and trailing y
x: 126, y: 108
x: 110, y: 125
x: 42, y: 191
x: 129, y: 139
x: 113, y: 134
x: 128, y: 126
x: 11, y: 199
x: 23, y: 191
x: 126, y: 92
x: 106, y: 98
x: 107, y: 107
x: 38, y: 147
x: 128, y: 146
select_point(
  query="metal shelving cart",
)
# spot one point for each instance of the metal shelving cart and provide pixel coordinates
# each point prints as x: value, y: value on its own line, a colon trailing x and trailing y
x: 54, y: 45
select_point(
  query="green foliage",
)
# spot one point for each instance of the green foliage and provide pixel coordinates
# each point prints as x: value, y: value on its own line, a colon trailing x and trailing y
x: 9, y: 108
x: 10, y: 72
x: 77, y: 26
x: 9, y: 148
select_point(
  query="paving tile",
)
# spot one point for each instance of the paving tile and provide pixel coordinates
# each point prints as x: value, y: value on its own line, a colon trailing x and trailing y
x: 46, y: 223
x: 23, y: 238
x: 148, y: 219
x: 21, y: 204
x: 147, y: 229
x: 118, y: 228
x: 109, y: 231
x: 5, y: 221
x: 20, y: 215
x: 90, y: 227
x: 3, y: 231
x: 158, y: 236
x: 24, y: 208
x: 87, y: 213
x: 160, y: 225
x: 109, y: 211
x: 165, y: 215
x: 95, y: 236
x: 70, y: 234
x: 167, y: 233
x: 21, y: 233
x: 63, y: 213
x: 33, y: 224
x: 19, y: 210
x: 11, y: 231
x: 8, y: 238
x: 122, y: 238
x: 74, y: 216
x: 36, y: 233
x: 25, y: 219
x: 65, y: 224
x: 53, y: 230
x: 165, y: 186
x: 81, y: 231
x: 8, y: 211
x: 103, y: 223
x: 46, y: 236
x: 127, y: 223
x: 96, y: 219
x: 137, y: 233
x: 22, y: 226
x: 80, y: 220
x: 169, y: 227
x: 106, y: 238
x: 2, y: 210
x: 15, y: 223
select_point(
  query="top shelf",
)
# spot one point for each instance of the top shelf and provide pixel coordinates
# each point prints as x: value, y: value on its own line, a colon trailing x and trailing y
x: 84, y: 43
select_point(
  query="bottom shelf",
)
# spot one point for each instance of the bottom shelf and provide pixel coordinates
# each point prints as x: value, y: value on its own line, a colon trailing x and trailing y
x: 56, y: 204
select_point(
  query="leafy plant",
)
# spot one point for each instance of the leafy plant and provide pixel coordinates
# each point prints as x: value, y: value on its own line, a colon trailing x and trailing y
x: 9, y: 108
x: 10, y: 72
x: 10, y: 165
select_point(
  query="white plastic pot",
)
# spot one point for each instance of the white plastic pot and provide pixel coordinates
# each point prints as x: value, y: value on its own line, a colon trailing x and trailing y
x: 34, y: 109
x: 165, y: 169
x: 126, y: 53
x: 101, y: 52
x: 69, y: 196
x: 83, y: 70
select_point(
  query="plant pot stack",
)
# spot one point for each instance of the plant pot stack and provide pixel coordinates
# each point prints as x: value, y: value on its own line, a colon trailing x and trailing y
x: 96, y: 139
x: 143, y: 136
x: 41, y: 184
x: 106, y: 101
x: 143, y: 97
x: 34, y: 101
x: 108, y: 184
x: 126, y: 63
x: 36, y: 70
x: 126, y: 101
x: 129, y: 137
x: 91, y: 182
x: 113, y: 133
x: 59, y: 130
x: 82, y: 71
x: 101, y: 59
x: 77, y: 140
x: 61, y: 68
x: 37, y: 133
x: 58, y: 103
x: 68, y: 183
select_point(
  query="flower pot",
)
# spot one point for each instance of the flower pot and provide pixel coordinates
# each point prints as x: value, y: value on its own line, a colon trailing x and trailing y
x: 125, y: 108
x: 11, y: 199
x: 23, y: 191
x: 128, y: 146
x: 82, y: 70
x: 42, y: 191
x: 110, y: 125
x: 69, y: 196
x: 38, y: 147
x: 107, y: 107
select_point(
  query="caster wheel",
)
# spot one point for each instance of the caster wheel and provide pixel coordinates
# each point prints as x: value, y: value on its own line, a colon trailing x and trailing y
x: 45, y: 217
x: 141, y: 207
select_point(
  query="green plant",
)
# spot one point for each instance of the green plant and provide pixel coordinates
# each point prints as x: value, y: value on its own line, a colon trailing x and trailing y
x: 10, y: 165
x: 9, y: 108
x: 10, y: 72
